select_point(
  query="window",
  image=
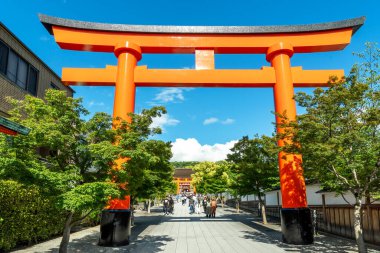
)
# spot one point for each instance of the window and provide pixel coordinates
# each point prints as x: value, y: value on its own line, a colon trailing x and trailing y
x: 12, y: 66
x: 18, y: 70
x: 3, y: 58
x: 32, y: 80
x: 22, y: 73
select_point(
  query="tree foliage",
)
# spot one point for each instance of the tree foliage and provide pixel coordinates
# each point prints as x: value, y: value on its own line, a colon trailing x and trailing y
x: 71, y: 161
x: 147, y: 168
x: 26, y: 215
x: 254, y: 165
x: 210, y: 177
x: 186, y: 164
x: 64, y: 156
x: 340, y: 132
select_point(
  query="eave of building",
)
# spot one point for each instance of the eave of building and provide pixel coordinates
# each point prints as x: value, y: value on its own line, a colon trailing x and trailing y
x: 13, y: 126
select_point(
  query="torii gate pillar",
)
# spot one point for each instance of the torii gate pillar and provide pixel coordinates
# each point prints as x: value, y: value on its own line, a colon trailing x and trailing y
x: 127, y: 55
x: 296, y: 224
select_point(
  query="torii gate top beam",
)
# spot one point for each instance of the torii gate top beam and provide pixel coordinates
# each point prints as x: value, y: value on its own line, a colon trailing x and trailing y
x: 100, y: 37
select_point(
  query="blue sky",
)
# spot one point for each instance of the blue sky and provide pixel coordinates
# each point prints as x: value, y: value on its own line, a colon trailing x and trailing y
x: 202, y: 123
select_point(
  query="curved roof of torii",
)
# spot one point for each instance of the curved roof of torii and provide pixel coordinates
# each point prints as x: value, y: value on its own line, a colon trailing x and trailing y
x: 49, y: 21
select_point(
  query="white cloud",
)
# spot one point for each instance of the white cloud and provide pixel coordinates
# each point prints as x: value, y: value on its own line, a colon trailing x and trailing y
x: 173, y: 95
x: 191, y: 150
x: 214, y: 120
x: 210, y: 121
x: 164, y: 120
x: 170, y: 95
x: 93, y: 103
x: 228, y: 121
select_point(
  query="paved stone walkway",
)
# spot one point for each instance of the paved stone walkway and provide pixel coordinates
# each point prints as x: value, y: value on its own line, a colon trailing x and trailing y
x: 183, y: 232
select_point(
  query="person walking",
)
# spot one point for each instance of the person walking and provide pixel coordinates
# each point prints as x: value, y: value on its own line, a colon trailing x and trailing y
x: 208, y: 208
x: 213, y: 205
x: 166, y: 206
x: 171, y: 205
x: 191, y: 204
x: 197, y: 206
x: 204, y: 204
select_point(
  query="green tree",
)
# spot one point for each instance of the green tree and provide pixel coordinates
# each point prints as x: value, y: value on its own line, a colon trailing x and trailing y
x: 71, y: 167
x: 147, y: 170
x: 339, y: 134
x: 210, y: 177
x: 254, y: 168
x: 186, y: 164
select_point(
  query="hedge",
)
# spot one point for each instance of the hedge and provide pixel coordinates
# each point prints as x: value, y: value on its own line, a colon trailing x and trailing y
x: 26, y: 216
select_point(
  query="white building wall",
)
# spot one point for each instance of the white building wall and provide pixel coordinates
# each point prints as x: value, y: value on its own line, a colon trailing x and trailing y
x: 313, y: 198
x: 332, y: 199
x: 249, y: 197
x: 271, y: 198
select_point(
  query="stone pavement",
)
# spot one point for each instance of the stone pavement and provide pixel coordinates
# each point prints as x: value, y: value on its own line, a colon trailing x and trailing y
x: 183, y: 232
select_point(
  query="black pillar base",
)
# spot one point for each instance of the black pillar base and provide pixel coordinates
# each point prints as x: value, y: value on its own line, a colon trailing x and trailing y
x: 115, y: 228
x: 297, y: 226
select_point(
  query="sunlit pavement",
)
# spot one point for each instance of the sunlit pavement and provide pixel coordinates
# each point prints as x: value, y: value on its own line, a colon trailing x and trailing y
x: 184, y: 232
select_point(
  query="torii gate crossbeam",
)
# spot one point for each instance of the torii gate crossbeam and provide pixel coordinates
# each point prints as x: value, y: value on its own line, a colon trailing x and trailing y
x: 278, y: 43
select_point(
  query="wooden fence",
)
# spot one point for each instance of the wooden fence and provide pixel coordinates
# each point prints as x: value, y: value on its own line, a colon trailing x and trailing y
x: 334, y: 219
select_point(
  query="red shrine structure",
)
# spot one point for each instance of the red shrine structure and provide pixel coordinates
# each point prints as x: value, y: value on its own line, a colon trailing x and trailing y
x: 278, y: 43
x: 183, y: 180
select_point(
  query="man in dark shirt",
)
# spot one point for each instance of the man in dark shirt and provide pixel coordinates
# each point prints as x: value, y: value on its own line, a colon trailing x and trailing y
x: 166, y: 206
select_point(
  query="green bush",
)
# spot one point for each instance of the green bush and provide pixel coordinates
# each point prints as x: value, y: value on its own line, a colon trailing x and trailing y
x: 26, y: 216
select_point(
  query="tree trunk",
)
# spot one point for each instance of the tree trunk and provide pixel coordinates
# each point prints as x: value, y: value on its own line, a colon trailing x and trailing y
x: 263, y: 212
x: 149, y: 205
x: 66, y: 234
x: 358, y: 226
x: 237, y: 205
x: 132, y: 209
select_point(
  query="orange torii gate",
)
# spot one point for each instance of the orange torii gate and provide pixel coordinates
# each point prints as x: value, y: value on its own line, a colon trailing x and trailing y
x: 279, y: 43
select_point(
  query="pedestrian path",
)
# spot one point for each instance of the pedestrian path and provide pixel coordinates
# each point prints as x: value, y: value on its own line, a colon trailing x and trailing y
x: 191, y: 233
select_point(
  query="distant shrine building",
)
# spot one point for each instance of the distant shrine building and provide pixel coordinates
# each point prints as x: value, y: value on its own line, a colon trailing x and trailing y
x: 182, y: 177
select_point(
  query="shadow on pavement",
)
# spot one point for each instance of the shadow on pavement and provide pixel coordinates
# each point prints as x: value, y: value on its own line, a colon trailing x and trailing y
x: 89, y: 243
x: 321, y: 244
x: 148, y: 243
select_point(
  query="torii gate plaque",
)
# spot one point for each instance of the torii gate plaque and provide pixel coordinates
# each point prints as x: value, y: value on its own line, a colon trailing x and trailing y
x: 279, y: 43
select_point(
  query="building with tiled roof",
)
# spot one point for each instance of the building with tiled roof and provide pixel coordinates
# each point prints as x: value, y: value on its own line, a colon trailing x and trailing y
x: 182, y: 176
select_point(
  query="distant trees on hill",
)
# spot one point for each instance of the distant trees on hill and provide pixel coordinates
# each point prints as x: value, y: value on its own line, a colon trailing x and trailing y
x: 183, y: 165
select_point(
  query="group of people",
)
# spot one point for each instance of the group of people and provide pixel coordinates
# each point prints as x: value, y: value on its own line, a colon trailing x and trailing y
x: 209, y: 206
x: 195, y: 202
